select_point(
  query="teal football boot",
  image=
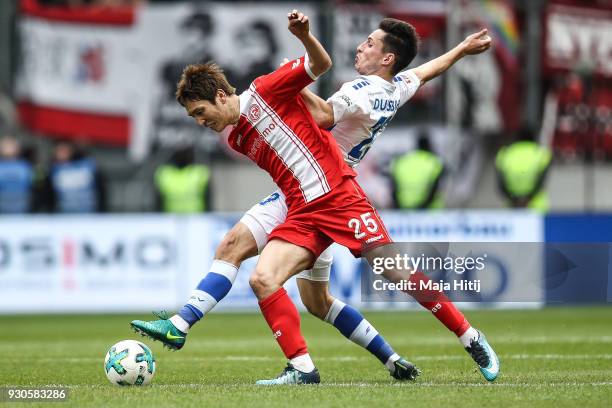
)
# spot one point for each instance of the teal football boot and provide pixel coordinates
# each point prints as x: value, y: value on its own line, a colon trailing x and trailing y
x: 484, y: 355
x: 292, y: 376
x: 162, y: 330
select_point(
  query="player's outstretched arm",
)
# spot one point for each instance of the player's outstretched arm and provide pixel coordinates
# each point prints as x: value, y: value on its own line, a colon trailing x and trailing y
x: 321, y: 111
x: 473, y: 44
x: 319, y: 60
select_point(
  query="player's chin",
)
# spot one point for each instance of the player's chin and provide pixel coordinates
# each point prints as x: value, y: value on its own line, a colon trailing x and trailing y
x: 221, y: 128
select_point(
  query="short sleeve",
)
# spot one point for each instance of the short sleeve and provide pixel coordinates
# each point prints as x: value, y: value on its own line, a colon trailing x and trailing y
x: 288, y: 80
x: 408, y: 83
x: 348, y: 101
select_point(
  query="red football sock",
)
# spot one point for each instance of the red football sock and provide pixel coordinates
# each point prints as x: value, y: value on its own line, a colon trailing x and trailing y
x: 284, y: 320
x: 440, y: 305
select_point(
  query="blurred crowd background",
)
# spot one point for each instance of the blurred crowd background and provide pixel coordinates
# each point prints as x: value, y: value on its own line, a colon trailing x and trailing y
x: 88, y: 122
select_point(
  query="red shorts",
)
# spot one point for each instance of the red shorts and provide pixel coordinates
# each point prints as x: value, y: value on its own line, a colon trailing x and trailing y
x: 343, y: 215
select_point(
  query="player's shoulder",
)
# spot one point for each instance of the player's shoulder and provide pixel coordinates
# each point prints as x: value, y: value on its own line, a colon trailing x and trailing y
x: 359, y: 83
x: 364, y: 83
x: 408, y: 77
x: 362, y: 87
x: 283, y: 69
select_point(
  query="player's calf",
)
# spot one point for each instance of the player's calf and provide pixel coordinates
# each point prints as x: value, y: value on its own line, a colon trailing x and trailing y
x: 237, y: 245
x: 315, y: 297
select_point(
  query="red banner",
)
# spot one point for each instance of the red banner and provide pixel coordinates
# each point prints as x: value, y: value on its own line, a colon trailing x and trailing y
x: 116, y: 15
x: 71, y: 124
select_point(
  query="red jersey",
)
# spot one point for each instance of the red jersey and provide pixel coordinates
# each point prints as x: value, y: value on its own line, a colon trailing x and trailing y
x: 279, y: 134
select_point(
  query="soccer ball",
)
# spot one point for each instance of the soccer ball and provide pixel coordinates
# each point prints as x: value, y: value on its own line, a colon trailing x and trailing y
x: 129, y: 362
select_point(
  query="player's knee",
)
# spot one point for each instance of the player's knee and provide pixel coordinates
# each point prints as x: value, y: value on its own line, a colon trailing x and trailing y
x: 262, y: 283
x: 225, y: 250
x: 323, y: 262
x: 234, y: 247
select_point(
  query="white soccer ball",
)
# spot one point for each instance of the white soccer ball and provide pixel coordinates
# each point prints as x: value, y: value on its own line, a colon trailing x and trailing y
x: 129, y: 362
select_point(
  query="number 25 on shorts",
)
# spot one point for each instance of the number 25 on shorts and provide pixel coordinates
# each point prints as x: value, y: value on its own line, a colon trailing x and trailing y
x: 368, y: 222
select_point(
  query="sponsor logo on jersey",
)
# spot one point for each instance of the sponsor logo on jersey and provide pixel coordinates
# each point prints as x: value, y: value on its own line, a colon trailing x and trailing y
x: 374, y: 239
x: 296, y: 64
x: 254, y: 112
x: 347, y: 100
x: 255, y: 147
x: 270, y: 198
x: 401, y: 78
x: 268, y: 129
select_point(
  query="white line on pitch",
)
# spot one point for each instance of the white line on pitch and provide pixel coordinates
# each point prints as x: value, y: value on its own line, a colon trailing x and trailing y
x: 371, y: 385
x: 339, y: 358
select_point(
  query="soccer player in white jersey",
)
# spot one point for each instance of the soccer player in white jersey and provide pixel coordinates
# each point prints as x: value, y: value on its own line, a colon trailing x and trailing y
x: 358, y: 112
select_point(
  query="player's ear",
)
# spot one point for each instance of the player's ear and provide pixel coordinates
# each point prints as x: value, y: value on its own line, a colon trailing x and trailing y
x: 388, y: 59
x: 221, y: 96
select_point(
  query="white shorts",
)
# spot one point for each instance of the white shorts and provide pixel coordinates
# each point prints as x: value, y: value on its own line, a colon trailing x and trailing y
x: 269, y: 213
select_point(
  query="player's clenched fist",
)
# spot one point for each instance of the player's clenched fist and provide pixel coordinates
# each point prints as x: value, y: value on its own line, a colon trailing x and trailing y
x: 298, y: 24
x: 476, y: 43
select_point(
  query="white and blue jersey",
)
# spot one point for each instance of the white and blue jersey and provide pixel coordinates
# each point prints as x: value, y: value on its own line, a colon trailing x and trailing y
x: 363, y: 108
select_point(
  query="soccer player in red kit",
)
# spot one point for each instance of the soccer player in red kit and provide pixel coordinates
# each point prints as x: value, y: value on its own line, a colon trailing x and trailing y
x: 273, y: 127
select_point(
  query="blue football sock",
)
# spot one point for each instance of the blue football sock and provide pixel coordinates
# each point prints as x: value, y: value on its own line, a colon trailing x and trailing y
x: 214, y: 287
x: 358, y: 330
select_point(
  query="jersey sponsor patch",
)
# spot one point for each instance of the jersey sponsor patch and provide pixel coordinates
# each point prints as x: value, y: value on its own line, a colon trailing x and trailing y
x: 347, y: 100
x: 272, y: 197
x: 239, y: 139
x: 255, y: 146
x: 400, y: 78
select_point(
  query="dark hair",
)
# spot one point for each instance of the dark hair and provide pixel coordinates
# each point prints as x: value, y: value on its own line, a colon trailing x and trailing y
x: 200, y: 82
x: 183, y: 156
x: 527, y: 133
x: 423, y: 140
x: 400, y: 39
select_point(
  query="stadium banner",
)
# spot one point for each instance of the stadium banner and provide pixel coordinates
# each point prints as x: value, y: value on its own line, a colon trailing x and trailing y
x: 88, y: 264
x: 575, y: 38
x: 108, y: 75
x: 121, y: 263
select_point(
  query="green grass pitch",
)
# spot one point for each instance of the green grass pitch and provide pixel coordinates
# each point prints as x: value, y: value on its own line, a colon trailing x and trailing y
x: 552, y: 357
